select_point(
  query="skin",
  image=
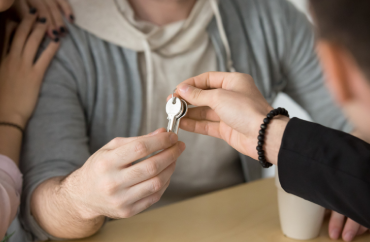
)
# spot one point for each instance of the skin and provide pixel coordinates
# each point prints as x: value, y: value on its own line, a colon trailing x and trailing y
x: 20, y: 79
x: 109, y: 184
x: 162, y: 12
x: 223, y: 101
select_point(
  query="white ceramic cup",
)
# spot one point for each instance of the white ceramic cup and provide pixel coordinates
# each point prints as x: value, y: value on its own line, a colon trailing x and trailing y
x: 299, y: 218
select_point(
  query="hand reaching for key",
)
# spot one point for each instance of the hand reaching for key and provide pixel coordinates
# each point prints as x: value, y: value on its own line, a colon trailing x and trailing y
x: 109, y: 184
x: 230, y: 107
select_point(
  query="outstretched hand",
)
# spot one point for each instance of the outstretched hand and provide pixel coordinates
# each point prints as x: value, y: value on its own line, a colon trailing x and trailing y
x: 229, y: 107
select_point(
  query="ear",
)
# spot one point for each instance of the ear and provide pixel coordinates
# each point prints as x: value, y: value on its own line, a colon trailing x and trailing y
x: 334, y: 61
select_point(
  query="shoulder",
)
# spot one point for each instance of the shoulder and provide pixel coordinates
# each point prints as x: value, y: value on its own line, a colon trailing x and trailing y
x: 274, y: 11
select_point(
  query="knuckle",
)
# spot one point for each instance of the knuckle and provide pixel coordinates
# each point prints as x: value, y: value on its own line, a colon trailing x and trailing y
x: 156, y: 185
x: 102, y: 166
x: 151, y: 168
x: 127, y: 213
x: 141, y: 148
x: 109, y: 187
x: 116, y: 141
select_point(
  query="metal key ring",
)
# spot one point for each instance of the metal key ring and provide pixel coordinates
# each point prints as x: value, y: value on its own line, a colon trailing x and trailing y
x: 173, y: 98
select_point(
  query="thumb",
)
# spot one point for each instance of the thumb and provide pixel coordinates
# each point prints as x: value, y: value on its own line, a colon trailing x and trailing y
x: 198, y: 97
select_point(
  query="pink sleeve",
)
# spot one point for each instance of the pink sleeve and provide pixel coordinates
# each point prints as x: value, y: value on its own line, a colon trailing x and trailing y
x: 10, y: 190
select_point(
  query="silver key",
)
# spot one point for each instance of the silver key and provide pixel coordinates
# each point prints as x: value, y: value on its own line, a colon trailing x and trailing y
x: 184, y: 112
x: 174, y: 109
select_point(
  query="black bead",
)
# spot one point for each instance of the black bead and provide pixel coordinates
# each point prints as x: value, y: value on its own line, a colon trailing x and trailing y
x: 259, y: 148
x: 263, y: 126
x: 270, y: 116
x: 261, y: 153
x: 55, y: 32
x: 266, y: 121
x: 56, y: 40
x: 261, y: 137
x: 261, y: 157
x: 33, y: 10
x: 260, y: 143
x: 71, y: 17
x: 62, y: 29
x: 265, y: 164
x: 262, y: 132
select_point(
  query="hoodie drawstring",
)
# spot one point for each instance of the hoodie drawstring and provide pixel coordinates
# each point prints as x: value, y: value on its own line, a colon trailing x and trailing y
x: 221, y: 29
x: 149, y: 84
x: 149, y: 63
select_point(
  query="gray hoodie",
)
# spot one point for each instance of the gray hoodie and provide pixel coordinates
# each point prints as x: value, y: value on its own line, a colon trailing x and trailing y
x: 93, y: 90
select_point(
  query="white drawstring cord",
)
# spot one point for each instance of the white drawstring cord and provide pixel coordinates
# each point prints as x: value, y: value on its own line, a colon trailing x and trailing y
x: 230, y: 64
x: 149, y: 85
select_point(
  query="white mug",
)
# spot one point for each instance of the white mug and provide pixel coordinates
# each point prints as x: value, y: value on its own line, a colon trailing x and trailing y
x: 299, y: 218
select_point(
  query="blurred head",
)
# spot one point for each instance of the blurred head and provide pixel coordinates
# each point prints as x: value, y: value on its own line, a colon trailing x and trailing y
x: 344, y: 50
x: 5, y: 4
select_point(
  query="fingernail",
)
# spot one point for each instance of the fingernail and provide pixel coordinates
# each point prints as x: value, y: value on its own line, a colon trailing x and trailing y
x: 56, y: 40
x: 33, y: 10
x: 348, y: 236
x: 182, y: 146
x: 173, y: 138
x: 55, y: 32
x: 71, y: 17
x: 42, y: 20
x: 62, y: 29
x: 184, y: 88
x: 334, y: 233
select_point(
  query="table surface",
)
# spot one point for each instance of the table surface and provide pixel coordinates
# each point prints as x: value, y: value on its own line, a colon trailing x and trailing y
x: 246, y: 212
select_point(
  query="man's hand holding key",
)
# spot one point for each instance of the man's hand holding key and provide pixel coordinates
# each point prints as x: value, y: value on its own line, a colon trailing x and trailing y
x: 110, y: 185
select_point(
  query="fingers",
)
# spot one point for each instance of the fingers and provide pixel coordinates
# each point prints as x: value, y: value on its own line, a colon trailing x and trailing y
x: 9, y: 34
x: 151, y: 186
x: 33, y: 42
x: 22, y: 9
x: 66, y: 9
x: 145, y: 203
x: 151, y: 167
x: 201, y: 127
x: 46, y: 57
x: 335, y: 225
x: 45, y: 16
x: 142, y: 147
x: 223, y: 80
x: 22, y: 33
x: 350, y: 230
x: 203, y: 113
x: 117, y: 142
x: 57, y: 18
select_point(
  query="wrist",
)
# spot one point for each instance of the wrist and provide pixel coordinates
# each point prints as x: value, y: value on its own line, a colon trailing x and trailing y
x: 14, y: 119
x: 273, y: 138
x: 71, y: 189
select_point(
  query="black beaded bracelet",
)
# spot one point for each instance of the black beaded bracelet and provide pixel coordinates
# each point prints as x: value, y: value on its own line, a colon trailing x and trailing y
x: 261, y: 136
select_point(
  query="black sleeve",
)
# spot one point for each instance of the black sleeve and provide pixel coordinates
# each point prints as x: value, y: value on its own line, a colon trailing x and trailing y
x: 327, y: 167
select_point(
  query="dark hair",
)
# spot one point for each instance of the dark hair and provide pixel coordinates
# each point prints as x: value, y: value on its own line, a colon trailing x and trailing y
x: 346, y: 23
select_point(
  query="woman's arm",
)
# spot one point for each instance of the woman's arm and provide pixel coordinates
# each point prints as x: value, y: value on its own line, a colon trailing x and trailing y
x: 20, y: 81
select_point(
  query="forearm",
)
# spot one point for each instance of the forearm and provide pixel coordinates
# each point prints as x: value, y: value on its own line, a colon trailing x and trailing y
x: 10, y: 142
x: 54, y: 208
x: 327, y: 167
